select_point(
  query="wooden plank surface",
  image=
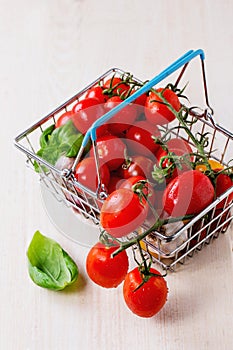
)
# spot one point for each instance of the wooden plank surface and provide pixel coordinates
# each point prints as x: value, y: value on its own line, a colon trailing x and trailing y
x: 49, y: 50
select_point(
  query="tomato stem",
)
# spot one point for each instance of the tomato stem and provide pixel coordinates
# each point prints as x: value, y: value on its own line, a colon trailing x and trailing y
x: 144, y: 267
x: 178, y: 115
x: 158, y: 223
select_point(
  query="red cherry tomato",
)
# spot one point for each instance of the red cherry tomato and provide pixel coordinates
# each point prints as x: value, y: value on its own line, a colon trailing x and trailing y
x: 222, y: 184
x: 179, y: 145
x: 85, y: 113
x: 114, y: 183
x: 188, y: 193
x: 147, y: 190
x: 86, y: 174
x: 141, y: 138
x: 137, y: 166
x: 63, y: 119
x: 97, y: 93
x: 221, y: 220
x: 105, y: 270
x: 157, y: 112
x: 128, y: 183
x: 198, y: 237
x: 111, y: 151
x: 140, y: 103
x: 116, y: 86
x: 148, y: 299
x: 141, y: 100
x: 122, y: 212
x: 122, y: 120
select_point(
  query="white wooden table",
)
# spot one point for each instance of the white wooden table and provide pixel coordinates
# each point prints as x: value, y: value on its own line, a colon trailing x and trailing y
x: 49, y: 50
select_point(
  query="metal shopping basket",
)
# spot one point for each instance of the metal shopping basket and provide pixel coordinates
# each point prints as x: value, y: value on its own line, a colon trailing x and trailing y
x: 189, y: 237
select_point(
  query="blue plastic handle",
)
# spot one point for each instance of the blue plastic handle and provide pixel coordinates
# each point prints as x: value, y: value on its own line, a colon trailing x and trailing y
x: 188, y: 56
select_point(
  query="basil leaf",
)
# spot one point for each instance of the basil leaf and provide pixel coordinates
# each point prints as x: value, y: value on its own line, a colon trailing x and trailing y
x: 44, y: 138
x: 65, y: 140
x: 71, y: 266
x: 49, y: 266
x: 73, y: 151
x: 36, y: 165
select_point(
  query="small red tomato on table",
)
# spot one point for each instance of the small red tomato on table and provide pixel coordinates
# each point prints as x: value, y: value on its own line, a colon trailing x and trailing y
x: 147, y: 299
x: 105, y: 270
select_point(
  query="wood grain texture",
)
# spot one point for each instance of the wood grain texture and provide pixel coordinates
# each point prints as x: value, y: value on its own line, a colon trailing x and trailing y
x: 49, y: 50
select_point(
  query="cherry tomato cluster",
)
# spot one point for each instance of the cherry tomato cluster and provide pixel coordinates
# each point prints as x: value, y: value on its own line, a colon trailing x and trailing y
x: 145, y: 290
x: 144, y: 175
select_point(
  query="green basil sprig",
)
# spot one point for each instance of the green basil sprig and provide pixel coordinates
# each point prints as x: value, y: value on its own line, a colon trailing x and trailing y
x: 54, y: 142
x: 49, y: 266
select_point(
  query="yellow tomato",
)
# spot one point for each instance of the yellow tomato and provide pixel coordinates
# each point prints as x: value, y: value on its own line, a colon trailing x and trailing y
x: 147, y: 248
x: 214, y: 164
x: 143, y: 245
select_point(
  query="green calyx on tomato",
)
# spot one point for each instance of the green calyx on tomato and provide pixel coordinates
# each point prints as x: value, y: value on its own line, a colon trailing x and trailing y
x: 170, y: 165
x: 173, y: 157
x: 123, y: 87
x: 136, y: 166
x: 115, y: 86
x: 143, y: 190
x: 144, y: 267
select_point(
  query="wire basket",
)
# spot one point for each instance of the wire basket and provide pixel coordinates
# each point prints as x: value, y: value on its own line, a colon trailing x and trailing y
x: 187, y: 237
